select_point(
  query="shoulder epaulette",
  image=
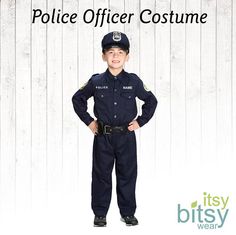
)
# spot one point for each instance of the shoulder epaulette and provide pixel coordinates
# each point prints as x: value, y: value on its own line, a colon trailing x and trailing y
x: 95, y: 74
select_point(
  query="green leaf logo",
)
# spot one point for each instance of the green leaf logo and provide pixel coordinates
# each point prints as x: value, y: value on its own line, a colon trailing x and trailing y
x: 194, y: 204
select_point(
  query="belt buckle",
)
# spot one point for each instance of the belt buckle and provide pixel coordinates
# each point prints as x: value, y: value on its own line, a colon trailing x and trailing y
x: 105, y: 130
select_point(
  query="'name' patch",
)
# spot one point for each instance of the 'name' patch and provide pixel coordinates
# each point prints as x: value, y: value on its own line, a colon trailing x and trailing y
x: 128, y: 87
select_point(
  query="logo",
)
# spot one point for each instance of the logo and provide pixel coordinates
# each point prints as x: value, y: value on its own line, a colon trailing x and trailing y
x: 210, y: 213
x: 145, y: 87
x: 83, y: 86
x: 116, y: 36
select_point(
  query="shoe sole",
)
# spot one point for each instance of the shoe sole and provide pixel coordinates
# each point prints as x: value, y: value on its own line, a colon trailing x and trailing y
x: 99, y: 225
x: 121, y: 219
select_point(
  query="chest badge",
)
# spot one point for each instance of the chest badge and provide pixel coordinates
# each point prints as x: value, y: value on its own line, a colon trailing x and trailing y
x: 116, y: 36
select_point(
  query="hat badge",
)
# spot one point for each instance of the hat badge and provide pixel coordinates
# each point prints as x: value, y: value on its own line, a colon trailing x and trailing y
x: 116, y: 36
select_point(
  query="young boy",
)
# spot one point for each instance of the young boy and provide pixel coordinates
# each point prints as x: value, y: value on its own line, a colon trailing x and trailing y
x: 115, y: 109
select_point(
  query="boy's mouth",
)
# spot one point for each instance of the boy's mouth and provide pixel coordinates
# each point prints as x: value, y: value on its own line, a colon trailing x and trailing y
x: 115, y: 61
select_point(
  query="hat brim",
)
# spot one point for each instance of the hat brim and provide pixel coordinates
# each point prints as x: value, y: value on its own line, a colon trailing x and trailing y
x: 117, y: 45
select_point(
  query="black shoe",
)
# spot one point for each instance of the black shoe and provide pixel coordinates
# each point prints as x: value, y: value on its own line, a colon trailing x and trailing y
x: 100, y: 221
x: 130, y: 220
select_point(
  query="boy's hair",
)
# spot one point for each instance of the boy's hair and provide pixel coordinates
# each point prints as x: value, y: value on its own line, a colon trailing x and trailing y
x: 107, y: 49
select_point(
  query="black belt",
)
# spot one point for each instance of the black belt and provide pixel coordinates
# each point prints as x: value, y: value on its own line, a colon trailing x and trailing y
x: 107, y: 130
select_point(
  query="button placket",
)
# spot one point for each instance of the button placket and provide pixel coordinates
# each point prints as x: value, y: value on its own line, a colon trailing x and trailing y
x: 115, y: 98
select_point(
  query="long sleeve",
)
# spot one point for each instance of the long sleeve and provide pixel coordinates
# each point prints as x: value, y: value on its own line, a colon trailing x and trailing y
x: 149, y: 106
x: 80, y: 103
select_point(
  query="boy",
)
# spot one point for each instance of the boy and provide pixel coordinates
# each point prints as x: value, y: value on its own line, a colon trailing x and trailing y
x: 114, y: 93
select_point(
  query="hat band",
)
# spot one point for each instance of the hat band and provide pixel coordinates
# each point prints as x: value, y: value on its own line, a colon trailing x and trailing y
x: 116, y: 45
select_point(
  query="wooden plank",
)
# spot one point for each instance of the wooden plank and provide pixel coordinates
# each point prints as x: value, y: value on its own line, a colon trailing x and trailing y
x: 54, y: 107
x: 23, y: 105
x: 224, y: 82
x: 193, y: 87
x: 178, y: 95
x: 116, y: 7
x: 163, y: 86
x: 70, y: 73
x: 133, y: 32
x: 233, y: 75
x: 208, y: 83
x: 147, y: 145
x: 8, y: 105
x: 39, y: 110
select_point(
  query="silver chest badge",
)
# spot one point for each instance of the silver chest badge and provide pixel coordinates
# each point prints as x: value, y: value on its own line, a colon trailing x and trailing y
x: 116, y: 36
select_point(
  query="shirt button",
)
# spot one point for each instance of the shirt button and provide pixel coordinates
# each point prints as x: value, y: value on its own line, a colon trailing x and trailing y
x: 102, y: 96
x: 115, y: 116
x: 115, y: 90
x: 115, y: 103
x: 115, y: 78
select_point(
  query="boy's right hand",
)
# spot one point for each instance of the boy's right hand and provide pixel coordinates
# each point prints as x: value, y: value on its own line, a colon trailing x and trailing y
x: 93, y: 126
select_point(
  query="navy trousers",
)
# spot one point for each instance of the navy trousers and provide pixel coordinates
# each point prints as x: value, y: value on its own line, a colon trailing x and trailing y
x: 118, y: 149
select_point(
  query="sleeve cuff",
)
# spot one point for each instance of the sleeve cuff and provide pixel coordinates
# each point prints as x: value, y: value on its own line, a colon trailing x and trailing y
x: 140, y: 121
x: 87, y: 122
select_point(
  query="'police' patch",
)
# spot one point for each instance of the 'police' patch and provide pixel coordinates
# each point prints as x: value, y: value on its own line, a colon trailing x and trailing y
x: 145, y: 87
x: 116, y: 36
x: 101, y: 87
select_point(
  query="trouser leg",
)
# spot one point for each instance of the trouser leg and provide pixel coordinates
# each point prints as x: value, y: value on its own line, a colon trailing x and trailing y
x: 103, y: 161
x: 126, y: 173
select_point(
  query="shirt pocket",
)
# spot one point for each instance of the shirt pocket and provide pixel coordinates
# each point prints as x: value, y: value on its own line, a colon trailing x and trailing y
x: 102, y: 100
x: 102, y: 94
x: 128, y: 100
x: 128, y: 95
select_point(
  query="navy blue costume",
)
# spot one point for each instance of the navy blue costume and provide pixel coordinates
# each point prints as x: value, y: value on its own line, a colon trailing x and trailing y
x: 114, y: 105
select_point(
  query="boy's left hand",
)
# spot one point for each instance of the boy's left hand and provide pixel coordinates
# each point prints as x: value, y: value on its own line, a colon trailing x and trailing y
x: 133, y: 126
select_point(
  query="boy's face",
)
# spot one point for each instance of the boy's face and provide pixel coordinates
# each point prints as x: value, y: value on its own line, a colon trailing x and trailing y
x: 115, y: 58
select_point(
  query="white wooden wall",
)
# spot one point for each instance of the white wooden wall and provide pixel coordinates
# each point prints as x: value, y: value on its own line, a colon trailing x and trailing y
x: 45, y: 159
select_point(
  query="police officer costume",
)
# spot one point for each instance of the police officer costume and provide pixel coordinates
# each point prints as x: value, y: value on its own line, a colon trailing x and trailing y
x: 114, y: 107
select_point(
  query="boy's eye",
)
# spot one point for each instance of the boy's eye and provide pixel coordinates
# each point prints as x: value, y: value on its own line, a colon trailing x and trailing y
x: 121, y: 52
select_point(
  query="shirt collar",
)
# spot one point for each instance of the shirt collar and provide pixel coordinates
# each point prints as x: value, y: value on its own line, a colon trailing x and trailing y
x: 122, y: 76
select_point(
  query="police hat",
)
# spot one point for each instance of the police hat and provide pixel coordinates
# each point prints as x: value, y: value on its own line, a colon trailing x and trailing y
x: 115, y: 39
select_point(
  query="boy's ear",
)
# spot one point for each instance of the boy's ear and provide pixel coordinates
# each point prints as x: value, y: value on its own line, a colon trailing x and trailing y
x: 127, y: 58
x: 103, y: 57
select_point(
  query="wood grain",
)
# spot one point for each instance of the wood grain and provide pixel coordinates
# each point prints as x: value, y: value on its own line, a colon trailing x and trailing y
x: 46, y: 151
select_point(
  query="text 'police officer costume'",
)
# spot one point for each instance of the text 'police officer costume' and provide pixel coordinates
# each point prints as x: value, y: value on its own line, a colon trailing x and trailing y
x: 114, y: 107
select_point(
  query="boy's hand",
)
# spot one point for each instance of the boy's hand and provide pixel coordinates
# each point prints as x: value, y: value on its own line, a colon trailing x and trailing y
x: 133, y: 126
x: 93, y: 126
